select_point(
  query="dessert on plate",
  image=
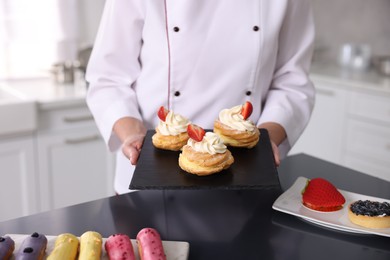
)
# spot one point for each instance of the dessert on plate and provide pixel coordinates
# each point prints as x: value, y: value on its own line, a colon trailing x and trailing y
x: 90, y: 245
x: 204, y: 153
x: 150, y: 245
x: 33, y: 247
x: 370, y: 214
x: 119, y: 246
x: 66, y: 246
x: 171, y: 132
x: 7, y: 247
x: 235, y: 128
x: 321, y: 195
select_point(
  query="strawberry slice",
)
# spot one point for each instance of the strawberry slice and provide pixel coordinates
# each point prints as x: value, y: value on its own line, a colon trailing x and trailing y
x: 162, y: 113
x: 247, y: 110
x: 321, y: 195
x: 195, y: 132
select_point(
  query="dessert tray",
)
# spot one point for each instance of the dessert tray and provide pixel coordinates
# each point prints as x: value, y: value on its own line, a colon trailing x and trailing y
x: 177, y: 250
x: 290, y: 202
x: 252, y: 169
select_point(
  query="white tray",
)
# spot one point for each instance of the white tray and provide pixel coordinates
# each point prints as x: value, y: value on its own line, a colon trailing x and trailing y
x: 290, y: 202
x: 174, y: 250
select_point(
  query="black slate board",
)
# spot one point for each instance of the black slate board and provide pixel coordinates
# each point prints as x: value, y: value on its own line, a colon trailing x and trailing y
x: 252, y: 169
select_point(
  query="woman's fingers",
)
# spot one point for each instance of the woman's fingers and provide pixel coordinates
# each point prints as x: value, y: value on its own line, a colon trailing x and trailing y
x: 132, y: 147
x: 275, y: 150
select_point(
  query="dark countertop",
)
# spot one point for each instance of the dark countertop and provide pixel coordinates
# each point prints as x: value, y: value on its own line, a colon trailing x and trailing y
x: 224, y: 224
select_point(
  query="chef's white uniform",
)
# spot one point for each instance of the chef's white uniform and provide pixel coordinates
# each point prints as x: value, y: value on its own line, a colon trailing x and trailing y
x: 206, y: 55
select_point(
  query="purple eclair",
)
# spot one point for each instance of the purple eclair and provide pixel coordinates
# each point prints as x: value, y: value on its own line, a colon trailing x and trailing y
x: 7, y: 246
x: 33, y: 247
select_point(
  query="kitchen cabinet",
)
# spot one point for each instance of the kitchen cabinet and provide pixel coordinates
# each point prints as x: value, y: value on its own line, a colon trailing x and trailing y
x: 54, y: 156
x: 74, y: 164
x: 350, y: 126
x: 368, y: 134
x: 63, y: 162
x: 18, y: 175
x: 323, y: 137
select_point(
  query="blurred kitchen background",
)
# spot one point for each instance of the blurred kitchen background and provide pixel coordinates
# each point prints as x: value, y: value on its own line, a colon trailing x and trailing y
x: 35, y: 35
x: 51, y: 154
x: 351, y: 21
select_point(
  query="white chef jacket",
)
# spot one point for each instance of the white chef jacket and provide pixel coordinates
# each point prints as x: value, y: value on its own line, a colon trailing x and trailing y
x: 197, y: 57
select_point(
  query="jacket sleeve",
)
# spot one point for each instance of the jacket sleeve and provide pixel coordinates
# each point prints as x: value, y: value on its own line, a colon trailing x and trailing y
x: 290, y: 99
x: 114, y: 66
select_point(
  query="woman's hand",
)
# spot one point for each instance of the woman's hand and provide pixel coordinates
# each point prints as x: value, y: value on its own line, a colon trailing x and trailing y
x: 132, y: 147
x: 275, y: 150
x: 131, y: 132
x: 277, y: 135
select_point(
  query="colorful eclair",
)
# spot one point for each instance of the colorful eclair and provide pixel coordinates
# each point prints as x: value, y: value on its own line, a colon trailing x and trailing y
x: 119, y: 247
x: 32, y: 247
x: 90, y: 246
x: 66, y: 247
x: 150, y: 246
x: 7, y: 246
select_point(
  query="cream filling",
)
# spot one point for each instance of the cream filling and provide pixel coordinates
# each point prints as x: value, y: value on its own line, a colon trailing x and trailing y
x: 174, y: 124
x: 232, y: 117
x: 211, y: 144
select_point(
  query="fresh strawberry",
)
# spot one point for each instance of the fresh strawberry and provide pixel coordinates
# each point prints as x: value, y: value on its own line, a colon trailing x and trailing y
x: 319, y: 194
x: 247, y: 110
x: 195, y: 132
x: 162, y: 113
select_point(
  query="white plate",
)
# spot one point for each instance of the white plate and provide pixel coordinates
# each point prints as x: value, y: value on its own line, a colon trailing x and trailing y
x: 174, y: 250
x: 290, y: 202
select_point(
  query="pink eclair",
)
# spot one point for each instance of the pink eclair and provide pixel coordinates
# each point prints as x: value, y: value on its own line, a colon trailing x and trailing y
x: 119, y: 247
x: 150, y: 245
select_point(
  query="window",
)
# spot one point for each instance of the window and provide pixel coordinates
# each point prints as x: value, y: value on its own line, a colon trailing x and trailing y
x: 34, y: 35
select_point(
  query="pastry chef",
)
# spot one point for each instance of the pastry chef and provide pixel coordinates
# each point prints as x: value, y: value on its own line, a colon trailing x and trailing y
x: 197, y: 57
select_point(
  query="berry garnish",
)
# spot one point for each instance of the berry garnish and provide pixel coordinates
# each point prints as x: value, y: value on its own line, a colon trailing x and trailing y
x: 162, y: 113
x: 319, y: 194
x: 246, y: 110
x: 195, y: 132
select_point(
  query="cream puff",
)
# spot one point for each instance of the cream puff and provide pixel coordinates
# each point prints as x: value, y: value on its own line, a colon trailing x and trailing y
x: 234, y: 127
x: 204, y: 153
x: 171, y: 132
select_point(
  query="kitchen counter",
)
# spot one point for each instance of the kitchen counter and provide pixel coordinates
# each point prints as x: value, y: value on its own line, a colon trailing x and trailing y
x: 224, y: 224
x: 25, y: 99
x: 369, y: 80
x: 46, y: 93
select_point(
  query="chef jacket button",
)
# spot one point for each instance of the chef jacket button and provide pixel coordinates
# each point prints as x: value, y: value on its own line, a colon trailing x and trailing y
x: 176, y: 29
x: 248, y: 93
x: 256, y: 28
x: 177, y: 93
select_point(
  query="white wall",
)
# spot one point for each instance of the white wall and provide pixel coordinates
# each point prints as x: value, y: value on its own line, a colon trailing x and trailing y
x: 90, y: 13
x: 356, y: 21
x: 337, y: 22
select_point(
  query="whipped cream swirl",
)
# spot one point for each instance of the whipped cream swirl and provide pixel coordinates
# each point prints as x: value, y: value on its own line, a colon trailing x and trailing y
x: 174, y: 124
x: 232, y: 117
x: 211, y: 144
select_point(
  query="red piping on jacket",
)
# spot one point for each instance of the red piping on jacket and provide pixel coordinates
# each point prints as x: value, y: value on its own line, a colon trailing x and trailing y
x: 169, y: 55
